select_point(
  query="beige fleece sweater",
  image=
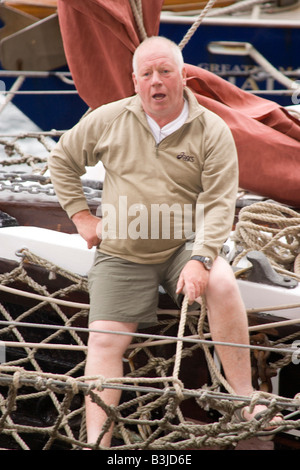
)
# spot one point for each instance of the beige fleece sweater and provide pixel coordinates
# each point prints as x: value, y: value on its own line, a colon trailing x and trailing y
x: 155, y: 197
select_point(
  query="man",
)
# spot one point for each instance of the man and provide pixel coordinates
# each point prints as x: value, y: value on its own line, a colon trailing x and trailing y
x: 158, y: 147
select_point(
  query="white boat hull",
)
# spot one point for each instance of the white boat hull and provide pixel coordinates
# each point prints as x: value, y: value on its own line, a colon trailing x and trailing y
x: 69, y: 251
x: 263, y: 297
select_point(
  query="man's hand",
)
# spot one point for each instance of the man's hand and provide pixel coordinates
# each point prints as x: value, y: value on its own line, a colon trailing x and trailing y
x: 88, y: 226
x: 193, y: 280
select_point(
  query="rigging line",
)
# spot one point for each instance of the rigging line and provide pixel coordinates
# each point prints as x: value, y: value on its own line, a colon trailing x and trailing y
x: 196, y: 24
x: 116, y: 384
x: 33, y: 74
x: 44, y: 298
x: 35, y: 134
x: 40, y: 92
x: 163, y: 340
x: 187, y: 339
x: 68, y: 303
x: 16, y: 86
x: 137, y: 10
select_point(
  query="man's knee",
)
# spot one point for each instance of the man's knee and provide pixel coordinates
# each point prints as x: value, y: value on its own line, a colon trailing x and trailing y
x: 109, y: 340
x: 222, y: 281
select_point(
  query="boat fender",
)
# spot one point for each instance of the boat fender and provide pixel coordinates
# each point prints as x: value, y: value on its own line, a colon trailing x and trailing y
x: 263, y: 273
x: 7, y: 220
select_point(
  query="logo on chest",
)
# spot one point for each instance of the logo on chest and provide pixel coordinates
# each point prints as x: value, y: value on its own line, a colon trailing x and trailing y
x: 185, y: 158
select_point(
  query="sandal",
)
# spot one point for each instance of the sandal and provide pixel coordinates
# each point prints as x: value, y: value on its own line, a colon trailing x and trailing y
x: 268, y: 431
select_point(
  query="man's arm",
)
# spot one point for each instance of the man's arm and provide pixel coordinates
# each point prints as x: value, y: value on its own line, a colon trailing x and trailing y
x: 88, y: 226
x: 220, y: 184
x: 68, y: 160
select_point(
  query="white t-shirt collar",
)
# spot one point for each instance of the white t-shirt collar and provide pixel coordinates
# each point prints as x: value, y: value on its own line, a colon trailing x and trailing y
x: 160, y: 133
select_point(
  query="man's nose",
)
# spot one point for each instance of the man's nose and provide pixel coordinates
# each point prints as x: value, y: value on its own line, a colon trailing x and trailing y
x: 156, y: 78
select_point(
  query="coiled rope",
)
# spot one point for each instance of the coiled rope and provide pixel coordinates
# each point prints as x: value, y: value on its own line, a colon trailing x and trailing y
x: 273, y: 229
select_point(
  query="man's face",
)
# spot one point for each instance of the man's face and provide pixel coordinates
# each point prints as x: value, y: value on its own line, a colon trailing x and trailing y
x: 159, y: 83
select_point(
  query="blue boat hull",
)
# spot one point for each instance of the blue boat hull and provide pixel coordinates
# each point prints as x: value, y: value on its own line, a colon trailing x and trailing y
x: 279, y: 45
x: 60, y: 108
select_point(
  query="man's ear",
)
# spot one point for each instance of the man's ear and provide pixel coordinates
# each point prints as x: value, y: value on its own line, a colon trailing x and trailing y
x: 184, y: 76
x: 135, y: 83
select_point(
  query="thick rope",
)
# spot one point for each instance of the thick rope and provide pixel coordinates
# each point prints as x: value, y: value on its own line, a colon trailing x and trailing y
x: 271, y: 228
x: 196, y: 24
x: 137, y: 10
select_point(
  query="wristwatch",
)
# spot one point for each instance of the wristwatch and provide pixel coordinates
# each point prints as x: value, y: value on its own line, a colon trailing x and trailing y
x: 205, y: 260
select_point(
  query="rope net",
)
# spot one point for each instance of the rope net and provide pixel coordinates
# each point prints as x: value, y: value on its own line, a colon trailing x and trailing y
x: 169, y: 374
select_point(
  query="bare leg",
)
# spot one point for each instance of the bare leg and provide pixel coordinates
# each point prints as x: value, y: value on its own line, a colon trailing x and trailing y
x: 105, y: 353
x: 228, y: 323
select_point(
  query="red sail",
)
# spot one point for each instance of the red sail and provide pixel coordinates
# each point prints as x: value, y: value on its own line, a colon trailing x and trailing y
x: 267, y: 138
x: 100, y: 37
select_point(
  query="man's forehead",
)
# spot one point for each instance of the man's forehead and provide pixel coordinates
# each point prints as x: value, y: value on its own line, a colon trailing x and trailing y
x: 149, y: 57
x: 158, y: 61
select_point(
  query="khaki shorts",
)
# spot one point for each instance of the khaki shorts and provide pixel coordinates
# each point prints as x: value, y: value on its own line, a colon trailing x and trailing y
x: 128, y: 292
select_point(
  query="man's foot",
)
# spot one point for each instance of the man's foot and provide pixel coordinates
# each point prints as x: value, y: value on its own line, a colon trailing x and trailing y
x: 244, y: 415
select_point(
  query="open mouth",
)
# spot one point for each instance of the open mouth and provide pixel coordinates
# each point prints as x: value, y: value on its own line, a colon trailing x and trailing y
x: 158, y: 96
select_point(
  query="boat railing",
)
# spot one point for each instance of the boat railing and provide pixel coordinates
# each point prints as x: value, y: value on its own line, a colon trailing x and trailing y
x: 20, y: 77
x: 271, y: 7
x: 247, y: 49
x: 261, y: 71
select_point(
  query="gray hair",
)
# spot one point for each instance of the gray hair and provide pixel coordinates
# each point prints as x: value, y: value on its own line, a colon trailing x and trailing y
x: 172, y: 45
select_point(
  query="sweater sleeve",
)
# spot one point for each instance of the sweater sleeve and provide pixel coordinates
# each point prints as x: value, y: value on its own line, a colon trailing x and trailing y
x: 216, y: 203
x: 68, y: 160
